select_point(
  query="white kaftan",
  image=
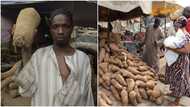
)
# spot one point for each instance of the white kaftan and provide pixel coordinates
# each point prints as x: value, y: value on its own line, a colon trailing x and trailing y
x: 40, y: 78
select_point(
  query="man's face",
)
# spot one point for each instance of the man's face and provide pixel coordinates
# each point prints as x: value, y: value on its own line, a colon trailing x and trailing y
x: 61, y: 29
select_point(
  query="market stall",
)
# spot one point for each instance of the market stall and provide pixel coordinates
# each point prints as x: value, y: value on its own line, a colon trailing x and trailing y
x: 124, y: 79
x: 122, y: 75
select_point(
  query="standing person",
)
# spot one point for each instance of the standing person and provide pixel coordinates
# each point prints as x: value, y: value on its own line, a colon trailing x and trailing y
x: 178, y: 74
x: 186, y: 13
x: 57, y: 75
x: 153, y: 35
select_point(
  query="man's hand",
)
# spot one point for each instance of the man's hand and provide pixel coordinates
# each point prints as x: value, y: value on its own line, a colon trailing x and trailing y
x: 8, y: 76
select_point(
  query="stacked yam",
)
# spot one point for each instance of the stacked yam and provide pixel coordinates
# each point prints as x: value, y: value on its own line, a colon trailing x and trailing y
x: 124, y: 79
x: 7, y: 83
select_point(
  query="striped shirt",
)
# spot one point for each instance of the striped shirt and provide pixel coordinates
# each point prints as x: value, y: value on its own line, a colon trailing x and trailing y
x: 40, y: 79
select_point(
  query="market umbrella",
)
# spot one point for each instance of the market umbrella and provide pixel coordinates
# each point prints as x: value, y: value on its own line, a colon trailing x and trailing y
x: 164, y: 8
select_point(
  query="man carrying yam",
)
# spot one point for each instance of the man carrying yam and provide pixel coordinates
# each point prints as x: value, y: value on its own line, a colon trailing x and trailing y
x: 57, y: 75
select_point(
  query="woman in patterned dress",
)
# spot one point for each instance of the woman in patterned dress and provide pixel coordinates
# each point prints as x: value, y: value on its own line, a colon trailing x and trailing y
x: 178, y: 74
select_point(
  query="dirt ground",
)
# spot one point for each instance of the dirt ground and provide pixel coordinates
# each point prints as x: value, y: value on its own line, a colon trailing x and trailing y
x: 7, y: 100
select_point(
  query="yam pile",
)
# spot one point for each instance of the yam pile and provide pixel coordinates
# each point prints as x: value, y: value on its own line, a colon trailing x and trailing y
x: 7, y: 83
x: 123, y: 78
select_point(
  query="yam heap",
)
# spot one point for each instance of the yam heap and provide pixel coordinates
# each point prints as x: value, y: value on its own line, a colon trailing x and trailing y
x: 123, y: 78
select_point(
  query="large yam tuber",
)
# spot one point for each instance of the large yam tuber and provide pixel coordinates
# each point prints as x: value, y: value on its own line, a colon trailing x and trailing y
x: 149, y: 73
x: 138, y: 96
x: 130, y: 84
x: 150, y: 84
x: 102, y: 42
x: 143, y: 93
x: 156, y: 92
x: 106, y: 77
x: 118, y: 62
x: 113, y: 68
x: 120, y: 79
x: 115, y: 61
x: 101, y: 72
x: 149, y: 77
x: 115, y: 93
x: 124, y: 97
x: 106, y: 98
x: 128, y: 74
x: 121, y: 57
x: 102, y: 102
x: 116, y: 84
x: 106, y: 59
x: 107, y: 48
x: 152, y: 99
x: 143, y: 68
x: 130, y: 57
x: 100, y: 80
x: 26, y: 25
x: 130, y: 63
x: 102, y: 54
x: 104, y: 66
x: 142, y: 78
x: 106, y: 91
x: 132, y: 97
x: 149, y: 92
x: 125, y: 65
x: 134, y: 70
x: 140, y: 83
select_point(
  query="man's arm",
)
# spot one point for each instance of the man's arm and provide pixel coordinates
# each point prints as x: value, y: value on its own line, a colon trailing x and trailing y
x: 25, y: 78
x: 160, y: 41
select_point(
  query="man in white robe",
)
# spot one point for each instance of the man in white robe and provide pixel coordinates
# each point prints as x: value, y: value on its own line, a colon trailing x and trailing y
x: 57, y: 75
